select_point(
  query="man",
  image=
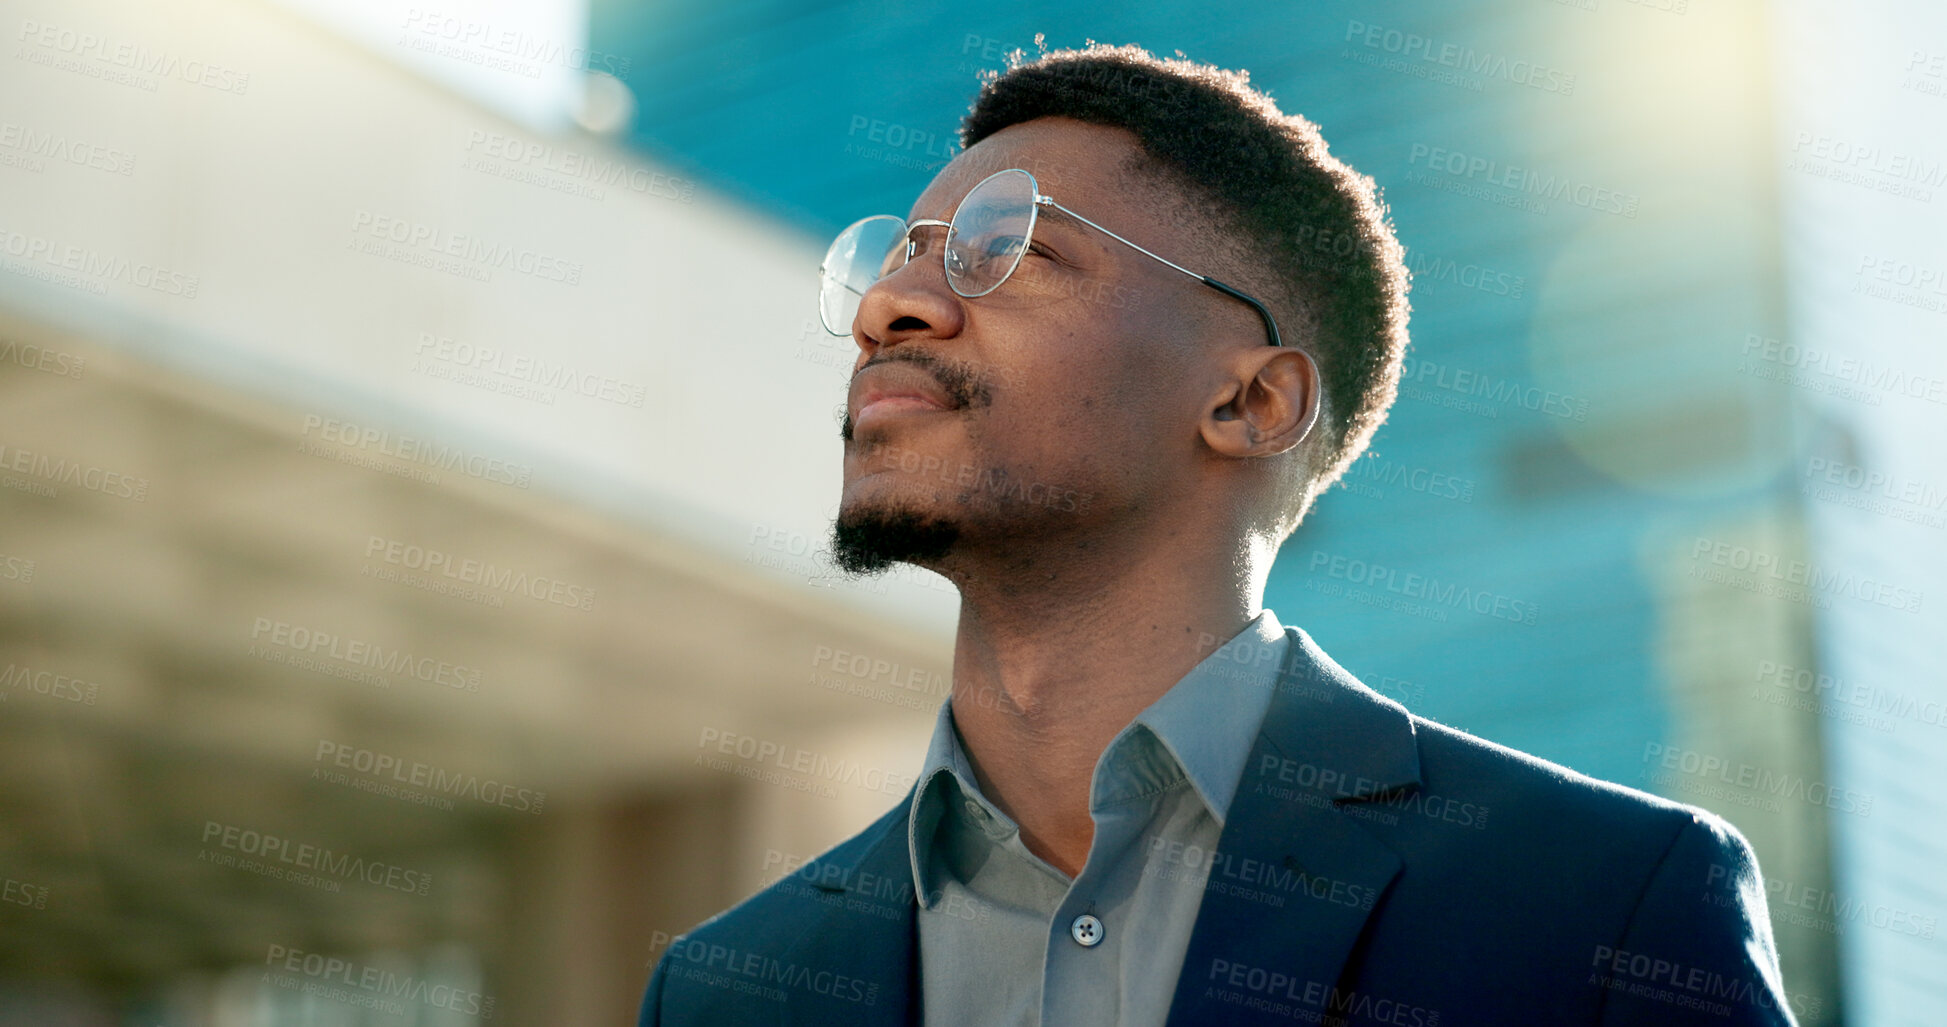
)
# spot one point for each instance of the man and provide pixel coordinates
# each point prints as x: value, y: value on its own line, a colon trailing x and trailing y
x: 1128, y: 336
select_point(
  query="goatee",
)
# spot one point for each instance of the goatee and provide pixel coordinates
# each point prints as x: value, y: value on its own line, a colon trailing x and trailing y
x: 869, y: 541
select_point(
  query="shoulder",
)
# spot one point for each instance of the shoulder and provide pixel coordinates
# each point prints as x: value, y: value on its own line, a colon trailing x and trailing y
x: 1484, y: 810
x: 1532, y: 788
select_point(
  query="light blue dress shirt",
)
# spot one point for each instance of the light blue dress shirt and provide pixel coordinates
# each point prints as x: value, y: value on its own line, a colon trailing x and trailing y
x: 1005, y: 938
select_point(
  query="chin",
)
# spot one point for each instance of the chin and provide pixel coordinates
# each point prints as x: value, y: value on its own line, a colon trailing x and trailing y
x: 868, y: 537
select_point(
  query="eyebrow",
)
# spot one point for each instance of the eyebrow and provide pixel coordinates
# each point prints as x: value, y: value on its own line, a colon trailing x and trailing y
x: 1043, y: 212
x: 1056, y: 214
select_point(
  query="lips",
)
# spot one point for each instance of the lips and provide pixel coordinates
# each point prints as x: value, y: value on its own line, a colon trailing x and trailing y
x: 896, y: 387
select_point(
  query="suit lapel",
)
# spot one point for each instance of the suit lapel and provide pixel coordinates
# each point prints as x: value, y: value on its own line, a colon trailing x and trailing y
x: 868, y: 929
x: 1297, y: 872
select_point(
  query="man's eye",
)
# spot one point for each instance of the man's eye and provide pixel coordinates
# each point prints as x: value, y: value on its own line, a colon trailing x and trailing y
x: 1003, y: 246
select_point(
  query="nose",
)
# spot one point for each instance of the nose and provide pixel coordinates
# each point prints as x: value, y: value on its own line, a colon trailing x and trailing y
x: 914, y: 301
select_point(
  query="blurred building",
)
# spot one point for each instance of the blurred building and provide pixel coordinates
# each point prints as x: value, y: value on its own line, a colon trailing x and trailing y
x: 418, y: 442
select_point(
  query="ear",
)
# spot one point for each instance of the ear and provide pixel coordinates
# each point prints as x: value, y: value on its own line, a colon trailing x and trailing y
x: 1266, y: 406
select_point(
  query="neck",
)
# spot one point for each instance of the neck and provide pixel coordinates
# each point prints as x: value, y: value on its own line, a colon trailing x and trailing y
x: 1057, y: 652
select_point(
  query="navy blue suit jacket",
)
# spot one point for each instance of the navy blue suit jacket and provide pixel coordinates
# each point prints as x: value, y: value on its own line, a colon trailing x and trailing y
x: 1375, y: 868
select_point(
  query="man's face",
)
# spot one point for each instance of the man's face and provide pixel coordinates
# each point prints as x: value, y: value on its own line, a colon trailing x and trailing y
x: 1061, y: 404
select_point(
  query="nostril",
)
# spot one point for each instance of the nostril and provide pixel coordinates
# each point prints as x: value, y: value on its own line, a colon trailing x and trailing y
x: 906, y: 324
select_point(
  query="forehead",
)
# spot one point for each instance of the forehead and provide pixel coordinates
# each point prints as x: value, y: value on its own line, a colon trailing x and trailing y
x: 1074, y: 161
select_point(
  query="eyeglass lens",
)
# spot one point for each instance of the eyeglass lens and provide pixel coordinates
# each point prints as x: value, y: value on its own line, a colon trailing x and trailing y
x: 984, y: 244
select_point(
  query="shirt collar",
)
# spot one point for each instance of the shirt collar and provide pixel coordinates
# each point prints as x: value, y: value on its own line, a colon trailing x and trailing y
x: 1206, y: 723
x: 1210, y: 719
x: 945, y: 761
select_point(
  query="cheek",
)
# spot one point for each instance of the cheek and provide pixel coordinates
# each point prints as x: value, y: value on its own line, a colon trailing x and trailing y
x: 1140, y: 401
x: 1093, y: 436
x: 1089, y: 386
x: 1068, y: 405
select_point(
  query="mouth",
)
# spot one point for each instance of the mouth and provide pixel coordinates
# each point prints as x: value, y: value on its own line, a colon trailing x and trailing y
x: 903, y: 386
x: 881, y: 407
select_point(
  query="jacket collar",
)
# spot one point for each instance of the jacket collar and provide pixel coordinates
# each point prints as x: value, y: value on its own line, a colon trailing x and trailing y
x: 878, y: 939
x: 1308, y: 871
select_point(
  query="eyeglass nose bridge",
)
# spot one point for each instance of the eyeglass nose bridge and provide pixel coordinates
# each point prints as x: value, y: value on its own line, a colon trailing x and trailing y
x: 921, y: 223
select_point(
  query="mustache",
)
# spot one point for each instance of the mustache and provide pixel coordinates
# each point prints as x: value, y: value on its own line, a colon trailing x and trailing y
x: 966, y: 387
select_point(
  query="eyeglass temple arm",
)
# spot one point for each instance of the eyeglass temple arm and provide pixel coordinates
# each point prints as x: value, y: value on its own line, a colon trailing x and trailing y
x: 1270, y: 325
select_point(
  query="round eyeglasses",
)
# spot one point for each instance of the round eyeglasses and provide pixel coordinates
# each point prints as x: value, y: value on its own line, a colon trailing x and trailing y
x: 989, y: 232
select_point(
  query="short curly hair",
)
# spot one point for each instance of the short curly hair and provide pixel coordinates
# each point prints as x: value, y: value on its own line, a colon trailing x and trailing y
x: 1317, y: 228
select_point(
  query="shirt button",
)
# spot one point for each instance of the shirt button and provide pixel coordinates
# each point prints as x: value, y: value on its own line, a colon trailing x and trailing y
x: 985, y: 820
x: 1086, y: 930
